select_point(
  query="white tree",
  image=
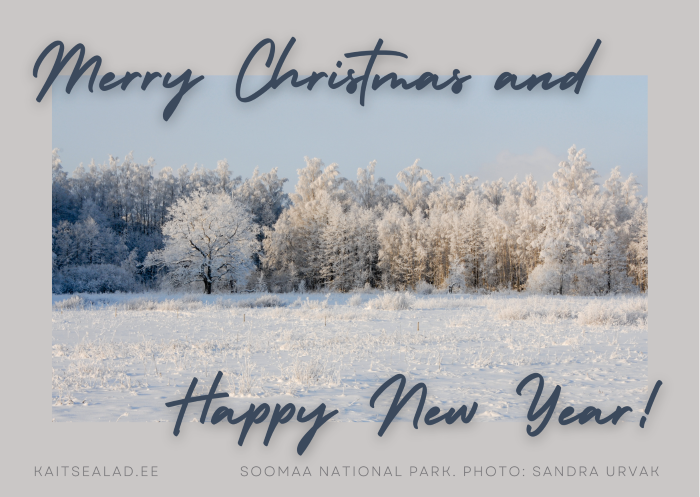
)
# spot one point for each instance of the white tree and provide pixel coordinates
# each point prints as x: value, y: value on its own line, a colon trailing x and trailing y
x: 418, y: 184
x: 208, y: 238
x: 611, y: 264
x: 315, y: 179
x: 455, y: 277
x: 369, y: 191
x: 389, y: 237
x: 639, y: 247
x: 264, y: 195
x: 294, y: 246
x: 573, y: 236
x: 565, y: 242
x: 472, y: 220
x: 260, y: 285
x: 350, y: 248
x: 576, y: 175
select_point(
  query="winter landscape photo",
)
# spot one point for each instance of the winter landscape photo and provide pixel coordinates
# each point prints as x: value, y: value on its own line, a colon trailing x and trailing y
x: 464, y: 257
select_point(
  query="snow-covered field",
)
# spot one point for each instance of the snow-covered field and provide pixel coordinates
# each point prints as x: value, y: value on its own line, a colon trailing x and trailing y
x: 121, y: 357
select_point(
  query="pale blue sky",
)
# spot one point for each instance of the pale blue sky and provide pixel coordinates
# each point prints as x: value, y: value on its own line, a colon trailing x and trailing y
x: 480, y: 131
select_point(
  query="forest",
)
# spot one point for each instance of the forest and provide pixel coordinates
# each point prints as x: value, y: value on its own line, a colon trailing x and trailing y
x: 121, y: 226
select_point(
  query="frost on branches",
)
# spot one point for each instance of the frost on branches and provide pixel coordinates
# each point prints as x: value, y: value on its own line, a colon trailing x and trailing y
x: 209, y: 238
x: 128, y: 228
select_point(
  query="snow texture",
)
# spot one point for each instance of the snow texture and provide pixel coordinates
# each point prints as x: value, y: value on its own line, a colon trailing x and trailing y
x: 121, y: 357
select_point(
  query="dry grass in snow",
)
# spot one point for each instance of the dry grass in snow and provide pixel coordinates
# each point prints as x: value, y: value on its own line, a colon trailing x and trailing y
x: 123, y: 356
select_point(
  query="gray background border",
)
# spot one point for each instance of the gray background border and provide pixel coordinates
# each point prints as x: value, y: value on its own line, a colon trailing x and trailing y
x: 641, y: 38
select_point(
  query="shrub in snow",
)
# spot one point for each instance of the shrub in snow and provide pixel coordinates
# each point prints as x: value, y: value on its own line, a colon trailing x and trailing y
x: 225, y: 303
x: 74, y: 302
x: 424, y: 288
x: 312, y: 372
x: 260, y: 285
x: 393, y: 302
x: 547, y: 279
x: 140, y: 304
x: 310, y: 304
x: 510, y: 312
x: 188, y: 302
x: 446, y: 303
x: 262, y: 301
x: 355, y: 300
x: 191, y: 298
x: 95, y: 278
x: 615, y: 313
x: 531, y: 308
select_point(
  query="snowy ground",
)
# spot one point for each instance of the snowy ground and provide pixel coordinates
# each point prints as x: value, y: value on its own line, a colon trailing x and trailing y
x: 121, y: 357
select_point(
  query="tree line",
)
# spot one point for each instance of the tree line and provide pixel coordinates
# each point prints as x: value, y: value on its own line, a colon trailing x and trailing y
x: 122, y: 226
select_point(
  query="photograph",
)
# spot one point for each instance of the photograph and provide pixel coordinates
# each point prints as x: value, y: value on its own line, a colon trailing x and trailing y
x: 310, y: 249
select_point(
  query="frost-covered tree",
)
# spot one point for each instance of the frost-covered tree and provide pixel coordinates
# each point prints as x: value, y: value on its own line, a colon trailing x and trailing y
x: 570, y: 236
x: 576, y: 176
x: 62, y: 201
x: 565, y: 243
x: 315, y: 180
x: 129, y: 202
x: 610, y: 263
x: 450, y: 196
x: 455, y: 277
x: 209, y: 238
x: 349, y: 245
x: 86, y: 242
x: 264, y: 195
x: 293, y: 247
x: 369, y: 191
x: 473, y: 219
x: 414, y: 187
x: 638, y: 253
x: 389, y: 237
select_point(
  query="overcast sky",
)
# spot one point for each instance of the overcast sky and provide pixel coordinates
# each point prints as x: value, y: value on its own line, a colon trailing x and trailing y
x: 480, y: 131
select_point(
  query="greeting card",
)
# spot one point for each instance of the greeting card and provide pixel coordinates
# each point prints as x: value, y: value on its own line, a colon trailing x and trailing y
x: 372, y: 247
